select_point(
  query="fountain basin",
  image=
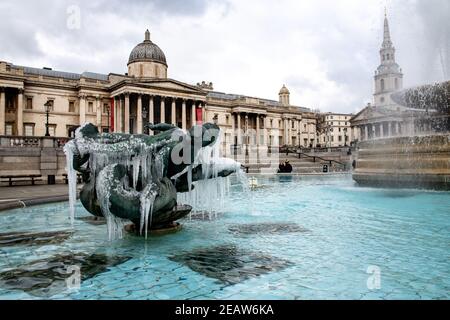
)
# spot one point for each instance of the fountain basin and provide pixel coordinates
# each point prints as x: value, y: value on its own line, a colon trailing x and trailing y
x: 411, y: 162
x: 311, y: 237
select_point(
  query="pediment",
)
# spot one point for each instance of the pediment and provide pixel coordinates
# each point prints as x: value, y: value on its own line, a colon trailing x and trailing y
x: 368, y: 113
x: 172, y: 85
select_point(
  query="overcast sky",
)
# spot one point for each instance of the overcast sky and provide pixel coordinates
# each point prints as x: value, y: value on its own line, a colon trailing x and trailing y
x: 325, y: 51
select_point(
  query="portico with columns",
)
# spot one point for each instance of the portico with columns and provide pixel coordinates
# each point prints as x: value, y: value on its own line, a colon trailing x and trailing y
x: 136, y: 106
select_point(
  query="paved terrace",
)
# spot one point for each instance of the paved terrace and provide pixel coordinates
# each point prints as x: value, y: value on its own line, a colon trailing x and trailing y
x: 22, y: 196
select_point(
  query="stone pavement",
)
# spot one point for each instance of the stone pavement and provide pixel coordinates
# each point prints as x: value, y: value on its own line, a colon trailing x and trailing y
x: 21, y: 196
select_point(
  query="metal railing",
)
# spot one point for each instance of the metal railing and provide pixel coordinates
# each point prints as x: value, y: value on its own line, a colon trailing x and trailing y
x: 287, y: 151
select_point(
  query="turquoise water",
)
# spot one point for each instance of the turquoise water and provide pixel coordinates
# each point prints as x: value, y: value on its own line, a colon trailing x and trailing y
x: 293, y: 238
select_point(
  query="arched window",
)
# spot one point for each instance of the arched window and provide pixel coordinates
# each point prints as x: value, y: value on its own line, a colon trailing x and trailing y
x: 382, y: 85
x: 387, y: 56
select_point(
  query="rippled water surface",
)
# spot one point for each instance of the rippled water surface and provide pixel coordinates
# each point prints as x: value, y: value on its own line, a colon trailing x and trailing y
x: 292, y: 238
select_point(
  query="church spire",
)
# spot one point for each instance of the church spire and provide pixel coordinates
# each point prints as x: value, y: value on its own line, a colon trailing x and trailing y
x: 388, y: 76
x: 387, y: 43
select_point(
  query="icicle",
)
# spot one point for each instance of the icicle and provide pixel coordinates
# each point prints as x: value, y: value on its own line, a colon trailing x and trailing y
x: 103, y: 186
x: 72, y: 178
x: 136, y: 165
x: 147, y: 198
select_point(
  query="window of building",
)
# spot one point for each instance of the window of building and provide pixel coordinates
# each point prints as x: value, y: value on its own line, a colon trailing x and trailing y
x: 396, y: 84
x: 293, y: 125
x: 382, y: 84
x: 71, y: 131
x: 71, y: 106
x: 52, y: 129
x: 227, y: 119
x: 332, y: 138
x: 340, y: 138
x: 382, y: 99
x: 29, y: 105
x: 28, y: 129
x: 105, y: 108
x: 91, y: 107
x: 271, y: 123
x: 9, y: 129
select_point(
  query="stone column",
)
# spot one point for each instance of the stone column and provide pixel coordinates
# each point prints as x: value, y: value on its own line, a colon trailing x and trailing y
x: 258, y: 138
x: 266, y: 130
x: 398, y: 128
x: 121, y: 114
x: 203, y: 106
x: 183, y: 115
x: 366, y: 132
x: 162, y: 110
x: 390, y: 129
x: 193, y: 114
x: 286, y: 132
x: 20, y: 112
x: 116, y: 107
x: 82, y: 109
x: 382, y: 130
x: 151, y: 110
x: 233, y: 129
x: 116, y: 114
x: 247, y: 137
x: 139, y: 115
x: 99, y: 114
x: 239, y: 129
x: 2, y: 111
x: 127, y: 113
x: 174, y: 112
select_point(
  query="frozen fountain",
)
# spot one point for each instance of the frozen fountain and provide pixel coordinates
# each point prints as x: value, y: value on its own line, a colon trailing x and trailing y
x: 151, y: 181
x: 420, y: 157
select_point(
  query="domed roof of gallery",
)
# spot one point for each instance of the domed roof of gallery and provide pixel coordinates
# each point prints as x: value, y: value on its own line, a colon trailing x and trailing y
x: 147, y: 51
x: 284, y: 90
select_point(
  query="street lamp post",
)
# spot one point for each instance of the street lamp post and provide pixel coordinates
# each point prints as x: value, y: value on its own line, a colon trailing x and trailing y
x: 47, y: 106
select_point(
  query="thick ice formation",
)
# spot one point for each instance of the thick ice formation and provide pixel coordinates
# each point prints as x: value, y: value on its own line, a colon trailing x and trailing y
x: 145, y: 163
x: 69, y: 150
x: 209, y: 193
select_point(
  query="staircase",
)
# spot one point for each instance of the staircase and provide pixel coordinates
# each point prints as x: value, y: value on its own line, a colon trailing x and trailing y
x: 305, y: 164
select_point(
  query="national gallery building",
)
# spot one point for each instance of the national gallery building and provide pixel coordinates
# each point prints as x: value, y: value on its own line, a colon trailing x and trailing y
x: 126, y: 102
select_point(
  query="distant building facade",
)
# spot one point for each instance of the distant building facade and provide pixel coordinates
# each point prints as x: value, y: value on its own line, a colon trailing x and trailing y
x: 334, y: 130
x: 126, y: 102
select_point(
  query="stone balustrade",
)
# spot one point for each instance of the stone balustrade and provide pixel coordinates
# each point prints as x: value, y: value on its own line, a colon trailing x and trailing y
x: 32, y: 142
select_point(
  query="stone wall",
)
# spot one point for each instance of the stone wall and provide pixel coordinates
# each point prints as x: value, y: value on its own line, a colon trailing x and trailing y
x: 20, y: 157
